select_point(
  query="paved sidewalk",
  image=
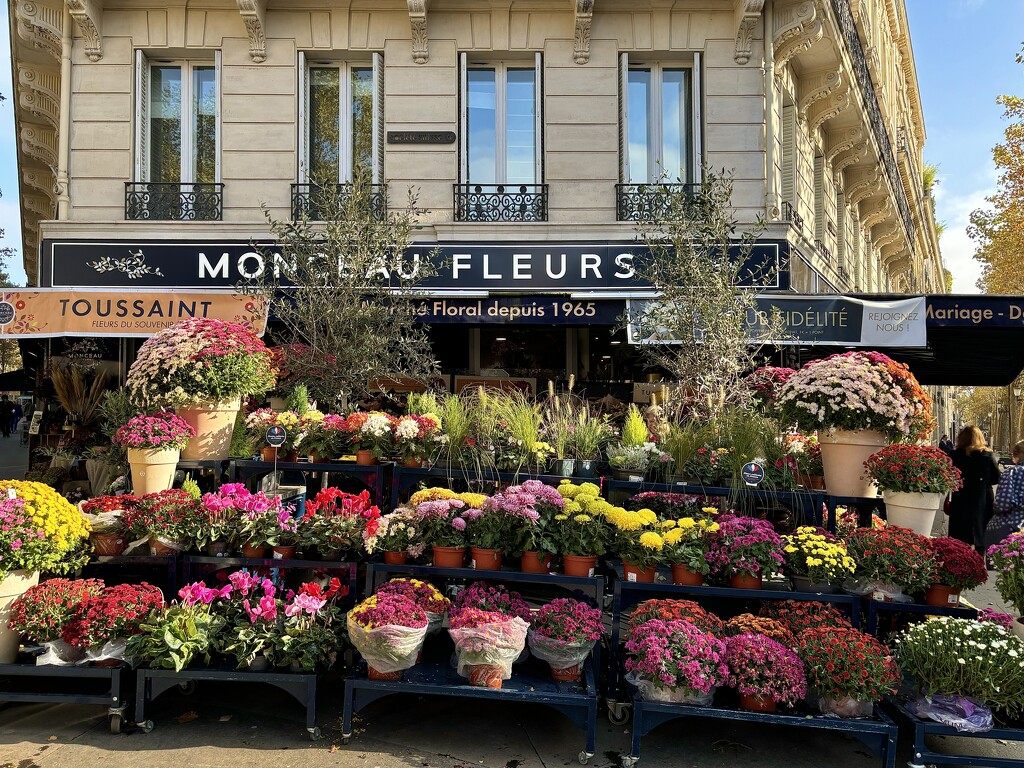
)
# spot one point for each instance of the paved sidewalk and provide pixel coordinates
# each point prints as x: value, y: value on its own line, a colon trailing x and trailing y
x: 13, y: 457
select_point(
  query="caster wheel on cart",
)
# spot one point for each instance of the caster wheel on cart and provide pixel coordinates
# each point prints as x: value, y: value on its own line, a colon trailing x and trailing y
x: 188, y: 687
x: 618, y: 714
x: 345, y: 740
x: 628, y: 761
x: 584, y: 757
x: 147, y: 726
x: 314, y: 734
x: 115, y: 724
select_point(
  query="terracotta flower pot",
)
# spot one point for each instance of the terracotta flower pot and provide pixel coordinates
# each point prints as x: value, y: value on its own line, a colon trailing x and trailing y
x: 364, y: 458
x: 579, y: 566
x: 373, y: 674
x: 745, y: 581
x: 535, y: 562
x: 152, y: 469
x: 843, y: 453
x: 485, y: 559
x: 283, y: 552
x: 757, y: 704
x: 254, y: 550
x: 214, y: 423
x: 568, y: 674
x: 108, y: 544
x: 683, y: 575
x: 13, y: 586
x: 395, y: 558
x: 412, y: 463
x: 637, y: 574
x: 449, y: 557
x: 941, y: 595
x: 485, y: 675
x: 159, y: 548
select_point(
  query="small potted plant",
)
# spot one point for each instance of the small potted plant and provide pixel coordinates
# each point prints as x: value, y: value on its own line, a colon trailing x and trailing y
x: 309, y: 636
x: 629, y: 462
x: 891, y: 561
x: 259, y: 421
x: 373, y: 435
x: 589, y: 435
x: 668, y: 610
x: 674, y: 661
x: 801, y: 615
x: 805, y: 451
x: 424, y: 594
x: 388, y: 630
x: 486, y: 644
x: 637, y: 540
x: 915, y: 480
x: 743, y: 550
x: 687, y: 541
x: 849, y: 669
x: 816, y: 560
x: 398, y: 535
x: 253, y: 613
x: 708, y: 466
x: 563, y: 633
x: 489, y: 530
x: 416, y: 438
x: 109, y: 618
x: 335, y: 523
x: 1008, y: 559
x: 182, y: 633
x: 957, y: 567
x: 154, y: 445
x: 106, y: 519
x: 532, y: 539
x: 167, y: 519
x: 284, y: 537
x: 202, y: 367
x: 581, y: 533
x: 45, y: 610
x: 325, y: 439
x: 764, y: 672
x: 444, y: 528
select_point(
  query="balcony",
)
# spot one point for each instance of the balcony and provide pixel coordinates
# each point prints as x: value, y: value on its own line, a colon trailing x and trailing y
x: 649, y: 202
x: 171, y: 201
x: 823, y: 250
x: 789, y: 214
x: 314, y: 203
x: 501, y: 202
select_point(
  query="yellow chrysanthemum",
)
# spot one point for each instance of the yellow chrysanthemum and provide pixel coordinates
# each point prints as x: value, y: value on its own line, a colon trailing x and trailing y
x: 572, y: 507
x: 668, y: 525
x: 560, y: 518
x: 647, y: 516
x: 590, y: 488
x: 568, y: 490
x: 709, y: 510
x: 651, y: 540
x: 687, y: 522
x: 63, y: 525
x: 674, y: 536
x: 586, y: 499
x: 431, y: 494
x: 472, y: 500
x: 582, y: 518
x: 713, y: 527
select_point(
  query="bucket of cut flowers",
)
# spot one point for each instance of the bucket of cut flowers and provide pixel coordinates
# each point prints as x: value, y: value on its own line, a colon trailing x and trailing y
x: 106, y: 621
x: 744, y: 550
x: 764, y: 672
x: 849, y: 669
x: 154, y: 445
x: 915, y: 480
x: 815, y: 560
x: 424, y: 594
x: 957, y: 567
x: 486, y: 644
x: 675, y: 661
x: 563, y: 634
x: 890, y: 561
x: 388, y: 630
x: 45, y: 611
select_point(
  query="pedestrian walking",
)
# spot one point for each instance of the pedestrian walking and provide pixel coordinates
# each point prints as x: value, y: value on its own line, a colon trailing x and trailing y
x: 1008, y: 507
x: 16, y: 416
x: 946, y: 445
x: 6, y: 414
x: 970, y: 508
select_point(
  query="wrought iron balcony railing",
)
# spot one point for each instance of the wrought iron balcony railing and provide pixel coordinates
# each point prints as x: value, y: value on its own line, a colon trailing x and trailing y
x: 649, y: 202
x: 501, y: 202
x: 315, y: 202
x: 171, y: 201
x: 789, y: 214
x: 826, y: 254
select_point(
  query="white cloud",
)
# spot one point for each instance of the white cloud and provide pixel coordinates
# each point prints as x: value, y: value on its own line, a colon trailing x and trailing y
x: 957, y: 248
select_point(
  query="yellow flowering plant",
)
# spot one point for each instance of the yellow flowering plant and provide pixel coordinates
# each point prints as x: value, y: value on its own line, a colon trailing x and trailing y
x: 686, y: 542
x: 817, y: 555
x: 637, y: 536
x: 580, y: 529
x: 60, y: 531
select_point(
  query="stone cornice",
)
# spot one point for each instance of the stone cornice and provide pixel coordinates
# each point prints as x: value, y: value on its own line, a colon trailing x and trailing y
x: 41, y: 180
x: 748, y: 13
x: 88, y: 16
x: 862, y: 184
x: 41, y: 23
x: 254, y: 14
x: 39, y: 92
x: 841, y: 146
x: 418, y: 23
x: 798, y: 26
x: 39, y: 205
x: 40, y: 144
x: 875, y: 214
x: 583, y: 13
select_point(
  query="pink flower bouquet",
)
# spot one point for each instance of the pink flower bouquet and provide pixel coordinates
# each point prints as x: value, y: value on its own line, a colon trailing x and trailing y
x: 675, y: 661
x: 486, y: 644
x: 563, y: 634
x: 388, y: 630
x: 161, y: 430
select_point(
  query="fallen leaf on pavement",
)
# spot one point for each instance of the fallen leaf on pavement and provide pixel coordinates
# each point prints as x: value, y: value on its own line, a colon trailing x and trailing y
x: 188, y: 717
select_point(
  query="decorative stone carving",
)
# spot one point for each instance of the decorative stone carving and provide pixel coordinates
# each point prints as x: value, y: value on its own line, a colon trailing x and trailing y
x: 816, y: 86
x: 40, y: 180
x: 39, y: 205
x: 873, y: 215
x: 418, y: 21
x: 829, y: 108
x: 88, y: 16
x: 748, y: 13
x: 254, y: 14
x: 848, y: 149
x: 39, y: 92
x: 41, y: 23
x: 862, y: 184
x: 40, y: 144
x: 840, y: 142
x: 583, y: 10
x: 798, y: 26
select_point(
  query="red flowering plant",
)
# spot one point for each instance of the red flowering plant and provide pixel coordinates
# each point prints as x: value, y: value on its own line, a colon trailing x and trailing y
x: 675, y: 610
x: 106, y: 513
x: 172, y: 516
x: 161, y: 430
x: 760, y: 666
x: 957, y: 565
x: 486, y: 597
x: 113, y: 614
x: 43, y: 612
x: 892, y: 555
x: 749, y: 624
x: 801, y: 615
x: 913, y: 469
x: 844, y: 662
x: 325, y: 439
x: 337, y: 522
x: 310, y: 633
x: 766, y: 382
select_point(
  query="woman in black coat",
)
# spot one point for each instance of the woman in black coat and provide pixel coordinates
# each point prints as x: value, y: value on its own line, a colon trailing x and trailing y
x: 970, y: 508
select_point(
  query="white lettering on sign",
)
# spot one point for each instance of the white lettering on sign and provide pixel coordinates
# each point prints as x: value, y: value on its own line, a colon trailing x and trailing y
x: 521, y: 266
x: 551, y: 273
x: 206, y: 269
x: 460, y: 261
x: 590, y: 262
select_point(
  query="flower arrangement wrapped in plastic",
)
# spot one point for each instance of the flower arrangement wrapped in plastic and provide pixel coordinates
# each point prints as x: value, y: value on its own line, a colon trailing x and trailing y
x: 486, y: 644
x: 424, y: 594
x: 388, y: 630
x: 890, y: 560
x: 675, y: 661
x: 108, y: 619
x: 44, y: 612
x: 564, y: 632
x: 40, y: 531
x: 849, y: 669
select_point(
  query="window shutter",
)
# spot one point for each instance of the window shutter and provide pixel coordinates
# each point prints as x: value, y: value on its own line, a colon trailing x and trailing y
x: 217, y: 120
x: 624, y: 118
x: 538, y: 116
x: 841, y: 231
x: 697, y: 128
x: 819, y: 198
x: 463, y: 119
x: 302, y: 141
x: 789, y: 154
x: 141, y: 117
x: 378, y: 118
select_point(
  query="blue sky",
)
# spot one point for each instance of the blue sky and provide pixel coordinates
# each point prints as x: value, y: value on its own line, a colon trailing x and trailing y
x: 965, y: 56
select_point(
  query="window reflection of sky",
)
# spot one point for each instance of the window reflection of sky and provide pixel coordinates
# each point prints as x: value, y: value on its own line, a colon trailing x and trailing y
x: 518, y: 163
x: 669, y: 113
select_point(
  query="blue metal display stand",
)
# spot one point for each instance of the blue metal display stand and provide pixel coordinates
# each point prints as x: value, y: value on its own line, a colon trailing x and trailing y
x: 879, y: 733
x: 405, y: 479
x: 52, y: 684
x: 924, y: 728
x: 876, y: 608
x: 529, y: 682
x: 151, y: 683
x: 317, y: 476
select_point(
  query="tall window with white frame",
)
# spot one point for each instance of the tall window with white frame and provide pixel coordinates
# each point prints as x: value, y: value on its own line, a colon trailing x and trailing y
x: 177, y: 141
x: 341, y: 130
x: 501, y: 147
x: 659, y: 130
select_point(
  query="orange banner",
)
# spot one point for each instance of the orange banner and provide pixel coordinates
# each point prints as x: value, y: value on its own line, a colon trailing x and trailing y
x: 44, y: 312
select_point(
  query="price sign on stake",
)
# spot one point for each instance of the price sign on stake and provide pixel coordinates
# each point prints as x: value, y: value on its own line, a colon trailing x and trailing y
x: 276, y: 437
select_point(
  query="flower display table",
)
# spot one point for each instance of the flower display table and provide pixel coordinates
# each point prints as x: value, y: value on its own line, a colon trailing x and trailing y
x: 875, y: 609
x: 530, y: 681
x: 52, y: 684
x: 317, y: 476
x: 151, y: 683
x: 924, y: 755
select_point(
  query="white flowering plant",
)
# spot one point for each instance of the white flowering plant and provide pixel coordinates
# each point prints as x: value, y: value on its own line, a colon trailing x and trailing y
x: 980, y: 660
